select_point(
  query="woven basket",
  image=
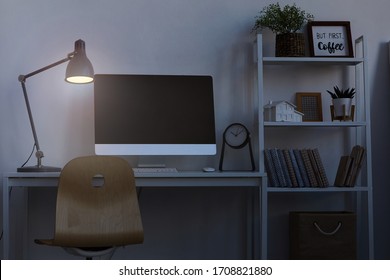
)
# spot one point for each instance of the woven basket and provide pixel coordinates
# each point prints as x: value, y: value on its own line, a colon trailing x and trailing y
x: 291, y: 44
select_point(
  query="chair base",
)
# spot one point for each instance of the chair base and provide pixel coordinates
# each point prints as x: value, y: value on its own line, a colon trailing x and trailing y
x: 90, y: 253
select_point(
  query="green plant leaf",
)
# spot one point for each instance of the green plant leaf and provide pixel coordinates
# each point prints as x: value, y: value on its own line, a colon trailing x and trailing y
x: 288, y: 19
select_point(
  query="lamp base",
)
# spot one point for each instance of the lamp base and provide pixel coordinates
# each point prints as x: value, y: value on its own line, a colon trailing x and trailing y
x: 40, y: 168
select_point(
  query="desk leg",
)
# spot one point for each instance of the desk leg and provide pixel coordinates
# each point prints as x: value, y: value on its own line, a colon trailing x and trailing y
x: 5, y: 219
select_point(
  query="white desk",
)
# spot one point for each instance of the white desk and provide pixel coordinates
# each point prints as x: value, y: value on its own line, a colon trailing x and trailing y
x: 180, y: 179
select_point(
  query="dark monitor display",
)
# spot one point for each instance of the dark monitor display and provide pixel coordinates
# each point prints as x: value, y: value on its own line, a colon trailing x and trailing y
x: 154, y: 115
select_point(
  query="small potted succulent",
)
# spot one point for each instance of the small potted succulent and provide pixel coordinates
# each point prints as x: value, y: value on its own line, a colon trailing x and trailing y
x: 342, y: 101
x: 286, y: 23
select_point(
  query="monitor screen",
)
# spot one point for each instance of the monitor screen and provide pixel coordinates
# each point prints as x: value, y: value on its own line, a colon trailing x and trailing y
x: 154, y: 115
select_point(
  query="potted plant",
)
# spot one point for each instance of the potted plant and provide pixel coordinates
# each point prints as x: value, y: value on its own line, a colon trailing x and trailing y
x: 342, y: 102
x: 286, y: 23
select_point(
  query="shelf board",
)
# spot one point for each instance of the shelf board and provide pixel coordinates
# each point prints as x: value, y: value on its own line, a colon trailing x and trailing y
x: 317, y: 189
x: 315, y: 124
x: 312, y: 60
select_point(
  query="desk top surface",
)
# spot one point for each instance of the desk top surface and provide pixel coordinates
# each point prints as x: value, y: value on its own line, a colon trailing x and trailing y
x: 159, y: 179
x: 179, y: 174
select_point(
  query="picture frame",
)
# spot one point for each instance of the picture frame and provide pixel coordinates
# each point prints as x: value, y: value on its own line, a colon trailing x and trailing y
x: 330, y: 39
x: 310, y: 104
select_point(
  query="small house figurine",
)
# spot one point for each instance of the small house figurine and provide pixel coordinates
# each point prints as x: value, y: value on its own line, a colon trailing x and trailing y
x: 281, y: 111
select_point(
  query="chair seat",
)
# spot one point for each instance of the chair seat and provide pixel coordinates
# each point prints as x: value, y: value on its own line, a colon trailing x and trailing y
x: 97, y: 207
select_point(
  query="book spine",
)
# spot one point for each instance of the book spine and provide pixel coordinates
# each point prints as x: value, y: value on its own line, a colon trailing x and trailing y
x: 273, y: 179
x: 358, y: 164
x: 283, y: 162
x: 342, y: 171
x: 296, y: 168
x: 278, y: 167
x: 290, y: 168
x: 316, y: 170
x: 309, y: 168
x: 321, y: 168
x: 302, y: 168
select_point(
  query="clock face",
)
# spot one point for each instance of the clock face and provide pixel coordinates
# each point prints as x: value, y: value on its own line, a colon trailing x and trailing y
x: 236, y: 135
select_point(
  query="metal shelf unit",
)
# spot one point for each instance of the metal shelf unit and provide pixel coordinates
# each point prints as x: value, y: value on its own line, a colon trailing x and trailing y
x: 362, y: 193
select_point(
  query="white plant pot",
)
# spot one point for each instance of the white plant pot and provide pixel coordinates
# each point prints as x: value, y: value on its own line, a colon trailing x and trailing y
x: 339, y: 104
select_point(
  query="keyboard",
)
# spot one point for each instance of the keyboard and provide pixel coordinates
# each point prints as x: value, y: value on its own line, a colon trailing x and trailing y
x: 154, y: 170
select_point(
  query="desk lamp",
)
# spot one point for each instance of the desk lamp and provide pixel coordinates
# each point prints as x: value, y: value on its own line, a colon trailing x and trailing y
x: 78, y: 71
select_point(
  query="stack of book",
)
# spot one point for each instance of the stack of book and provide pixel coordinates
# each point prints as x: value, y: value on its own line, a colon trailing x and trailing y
x: 349, y: 167
x: 295, y: 168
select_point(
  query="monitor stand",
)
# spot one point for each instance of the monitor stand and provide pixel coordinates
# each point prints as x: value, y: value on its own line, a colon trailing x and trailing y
x: 151, y: 162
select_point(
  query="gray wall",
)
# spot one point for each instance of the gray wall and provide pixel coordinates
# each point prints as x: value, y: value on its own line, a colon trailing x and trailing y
x: 163, y: 37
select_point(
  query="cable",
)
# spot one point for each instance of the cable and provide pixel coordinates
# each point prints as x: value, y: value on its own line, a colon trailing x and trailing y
x: 29, y: 157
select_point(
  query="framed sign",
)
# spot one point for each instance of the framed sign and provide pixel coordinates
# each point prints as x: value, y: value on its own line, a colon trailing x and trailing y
x: 309, y: 103
x: 330, y: 38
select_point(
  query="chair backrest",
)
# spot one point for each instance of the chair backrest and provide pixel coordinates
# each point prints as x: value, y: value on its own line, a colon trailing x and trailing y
x: 97, y: 204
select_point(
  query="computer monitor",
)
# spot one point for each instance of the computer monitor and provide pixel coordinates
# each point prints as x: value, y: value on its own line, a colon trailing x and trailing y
x: 154, y: 115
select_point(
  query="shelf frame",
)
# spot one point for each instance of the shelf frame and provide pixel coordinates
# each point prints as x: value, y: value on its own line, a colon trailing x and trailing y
x: 315, y: 124
x: 348, y: 61
x: 317, y: 189
x: 361, y: 128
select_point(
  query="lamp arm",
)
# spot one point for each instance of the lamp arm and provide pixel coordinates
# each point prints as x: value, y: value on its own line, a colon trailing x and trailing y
x: 30, y: 115
x: 22, y: 79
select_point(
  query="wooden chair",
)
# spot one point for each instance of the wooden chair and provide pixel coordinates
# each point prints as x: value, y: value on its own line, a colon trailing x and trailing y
x: 97, y: 207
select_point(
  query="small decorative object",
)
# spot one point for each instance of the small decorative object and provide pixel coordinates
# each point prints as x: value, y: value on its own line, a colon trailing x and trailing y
x: 310, y: 104
x: 285, y: 23
x: 342, y: 108
x: 330, y: 38
x: 281, y: 111
x: 236, y: 136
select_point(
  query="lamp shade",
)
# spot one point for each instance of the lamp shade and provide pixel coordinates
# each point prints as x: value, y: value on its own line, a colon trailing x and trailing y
x: 79, y: 70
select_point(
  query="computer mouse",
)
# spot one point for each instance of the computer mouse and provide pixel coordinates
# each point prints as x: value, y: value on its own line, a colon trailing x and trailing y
x: 208, y: 169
